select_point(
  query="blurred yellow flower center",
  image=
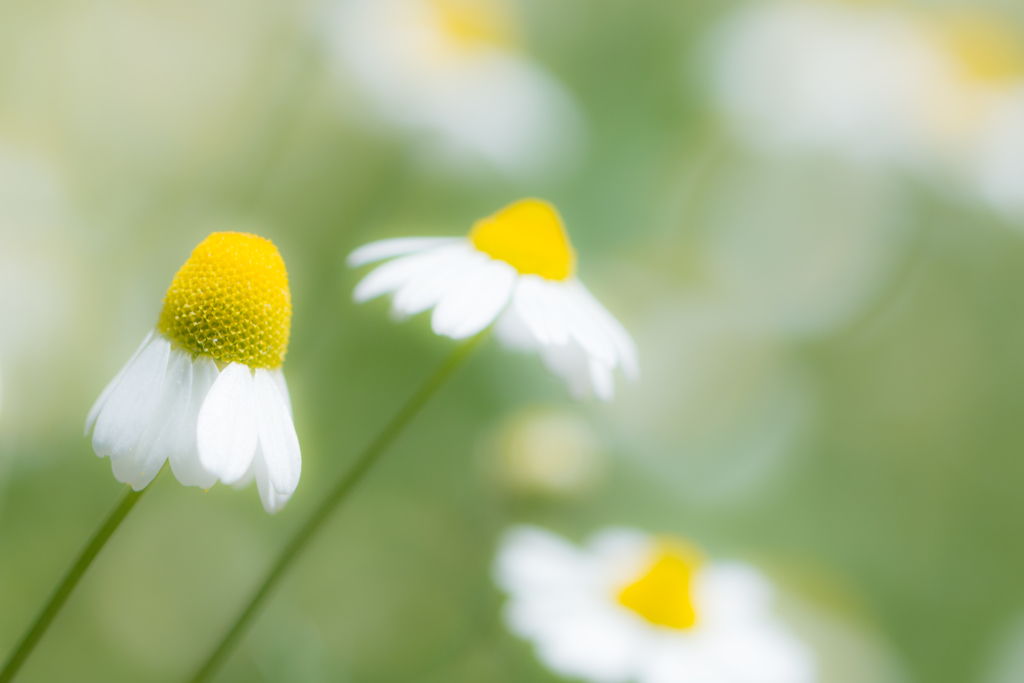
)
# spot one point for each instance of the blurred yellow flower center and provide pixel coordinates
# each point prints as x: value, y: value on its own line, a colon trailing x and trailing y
x: 472, y: 23
x: 529, y: 236
x: 231, y: 301
x: 662, y: 596
x: 987, y: 50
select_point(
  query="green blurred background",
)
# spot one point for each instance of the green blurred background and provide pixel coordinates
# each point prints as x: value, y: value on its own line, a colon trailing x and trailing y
x: 833, y: 355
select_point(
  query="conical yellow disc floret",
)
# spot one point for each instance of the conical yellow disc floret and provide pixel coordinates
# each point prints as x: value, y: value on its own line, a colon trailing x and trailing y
x: 529, y: 236
x: 231, y: 301
x: 988, y: 51
x: 476, y: 23
x: 662, y: 596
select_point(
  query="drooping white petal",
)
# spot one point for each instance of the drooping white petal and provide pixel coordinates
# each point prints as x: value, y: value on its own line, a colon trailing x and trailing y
x: 512, y: 332
x: 475, y: 301
x: 282, y: 386
x: 583, y: 327
x: 279, y: 444
x: 130, y: 406
x: 625, y: 347
x: 570, y: 363
x: 430, y: 286
x: 139, y: 466
x: 250, y: 474
x: 539, y: 310
x: 226, y: 433
x: 602, y: 380
x: 94, y: 412
x: 392, y: 275
x: 272, y: 500
x: 399, y: 246
x: 184, y: 457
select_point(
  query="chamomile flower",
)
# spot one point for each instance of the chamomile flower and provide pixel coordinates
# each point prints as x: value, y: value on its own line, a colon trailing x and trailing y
x: 630, y: 607
x: 935, y: 91
x: 452, y: 72
x: 205, y: 389
x: 517, y: 268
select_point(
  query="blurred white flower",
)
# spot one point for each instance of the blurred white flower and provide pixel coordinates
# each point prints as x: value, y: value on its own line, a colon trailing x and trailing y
x: 939, y: 92
x: 518, y: 268
x: 205, y: 390
x: 630, y: 607
x: 546, y: 451
x: 44, y: 296
x: 452, y: 71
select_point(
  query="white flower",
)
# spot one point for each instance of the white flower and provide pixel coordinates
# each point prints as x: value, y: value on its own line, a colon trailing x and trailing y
x: 205, y: 389
x: 928, y: 91
x: 517, y: 268
x: 450, y: 70
x: 634, y: 608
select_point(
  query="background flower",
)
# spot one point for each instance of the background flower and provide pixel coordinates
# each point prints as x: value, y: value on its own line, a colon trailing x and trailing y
x: 632, y: 607
x: 454, y: 72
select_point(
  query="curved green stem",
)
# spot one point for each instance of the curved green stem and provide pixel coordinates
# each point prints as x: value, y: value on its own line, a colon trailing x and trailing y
x: 128, y: 500
x: 334, y: 498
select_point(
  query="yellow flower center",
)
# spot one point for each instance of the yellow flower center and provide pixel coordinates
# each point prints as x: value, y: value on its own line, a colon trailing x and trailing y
x: 231, y: 301
x: 471, y: 23
x: 662, y: 595
x: 529, y: 236
x: 987, y: 50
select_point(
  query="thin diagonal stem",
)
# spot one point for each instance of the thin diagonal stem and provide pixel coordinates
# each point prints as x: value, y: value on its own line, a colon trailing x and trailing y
x: 127, y: 501
x: 341, y: 491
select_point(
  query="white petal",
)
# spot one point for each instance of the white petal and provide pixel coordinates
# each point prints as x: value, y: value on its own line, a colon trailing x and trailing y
x: 475, y: 301
x: 570, y: 363
x: 731, y: 592
x: 109, y: 389
x: 282, y: 386
x: 131, y: 404
x: 184, y: 457
x: 602, y: 380
x: 431, y: 285
x: 163, y: 433
x: 532, y: 559
x: 399, y: 246
x: 393, y: 274
x: 761, y: 653
x: 584, y: 327
x: 226, y: 429
x: 278, y: 441
x: 624, y: 344
x: 539, y: 310
x: 250, y: 474
x: 512, y: 332
x: 269, y: 496
x: 593, y: 647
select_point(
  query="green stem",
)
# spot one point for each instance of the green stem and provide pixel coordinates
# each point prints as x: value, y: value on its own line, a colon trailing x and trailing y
x: 128, y: 500
x: 364, y: 463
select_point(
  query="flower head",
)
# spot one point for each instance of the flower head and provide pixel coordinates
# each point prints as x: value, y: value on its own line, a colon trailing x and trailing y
x: 452, y: 71
x: 205, y: 389
x: 938, y: 90
x: 630, y: 607
x: 518, y: 268
x: 231, y: 302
